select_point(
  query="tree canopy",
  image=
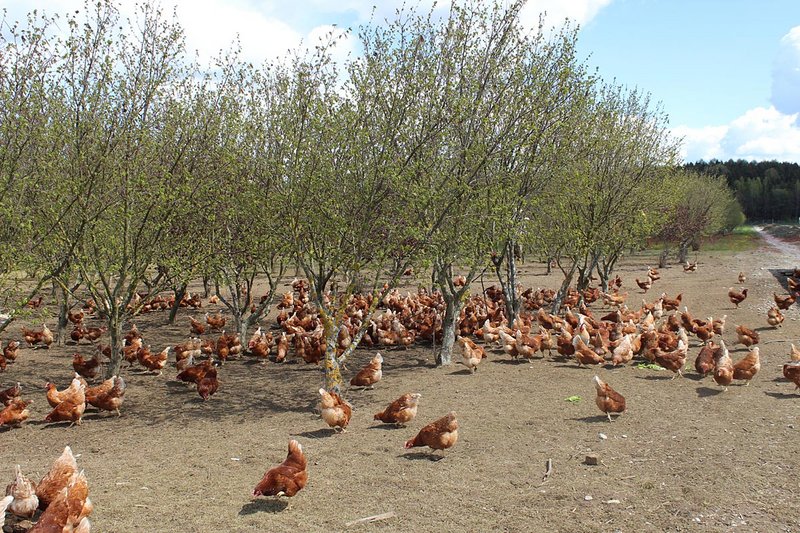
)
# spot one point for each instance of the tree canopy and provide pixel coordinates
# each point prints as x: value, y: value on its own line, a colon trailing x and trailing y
x: 449, y: 143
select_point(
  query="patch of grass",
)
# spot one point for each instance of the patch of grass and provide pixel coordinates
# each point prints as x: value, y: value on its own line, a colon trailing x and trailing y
x: 744, y: 230
x: 649, y: 366
x: 741, y: 239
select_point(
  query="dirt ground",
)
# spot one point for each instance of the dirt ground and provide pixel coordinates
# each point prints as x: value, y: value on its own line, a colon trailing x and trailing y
x: 685, y: 456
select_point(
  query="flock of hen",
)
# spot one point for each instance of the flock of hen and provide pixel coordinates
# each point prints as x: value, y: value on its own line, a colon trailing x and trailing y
x: 62, y: 495
x: 576, y: 334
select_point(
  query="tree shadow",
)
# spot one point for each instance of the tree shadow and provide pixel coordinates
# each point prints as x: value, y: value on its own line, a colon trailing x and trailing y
x: 738, y: 348
x: 421, y: 456
x: 695, y: 377
x: 387, y: 427
x: 251, y: 361
x: 705, y: 392
x: 317, y: 433
x: 782, y: 395
x: 574, y: 366
x: 181, y: 391
x: 412, y: 363
x: 781, y: 276
x: 591, y: 419
x: 656, y: 378
x: 53, y: 425
x: 100, y: 415
x: 308, y: 367
x: 264, y: 506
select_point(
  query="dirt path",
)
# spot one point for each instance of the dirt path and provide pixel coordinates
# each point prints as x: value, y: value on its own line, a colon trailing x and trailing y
x: 784, y: 247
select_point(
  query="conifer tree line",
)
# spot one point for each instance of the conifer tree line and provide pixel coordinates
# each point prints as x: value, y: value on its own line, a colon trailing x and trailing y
x: 766, y: 190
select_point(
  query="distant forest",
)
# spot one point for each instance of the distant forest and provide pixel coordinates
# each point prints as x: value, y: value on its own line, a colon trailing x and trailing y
x: 767, y: 190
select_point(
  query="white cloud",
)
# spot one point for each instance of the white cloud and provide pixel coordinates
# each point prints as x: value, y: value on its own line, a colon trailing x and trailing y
x: 265, y: 32
x: 700, y: 143
x: 580, y: 11
x: 213, y: 25
x: 344, y: 43
x: 762, y: 133
x: 786, y: 74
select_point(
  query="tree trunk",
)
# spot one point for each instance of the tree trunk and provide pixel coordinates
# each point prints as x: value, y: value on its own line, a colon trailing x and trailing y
x: 508, y: 281
x: 605, y: 269
x: 585, y: 274
x: 511, y: 296
x: 206, y: 286
x: 662, y: 259
x: 683, y: 252
x: 63, y: 309
x: 605, y: 275
x: 180, y: 292
x: 583, y: 278
x: 562, y: 291
x: 333, y: 370
x: 115, y: 330
x: 241, y: 328
x: 449, y: 325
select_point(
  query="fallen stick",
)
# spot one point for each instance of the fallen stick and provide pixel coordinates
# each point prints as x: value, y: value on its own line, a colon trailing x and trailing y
x: 548, y: 471
x: 373, y: 518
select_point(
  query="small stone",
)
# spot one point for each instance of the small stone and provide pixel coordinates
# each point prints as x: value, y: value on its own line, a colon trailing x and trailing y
x: 592, y: 460
x: 697, y: 519
x: 624, y: 436
x: 587, y: 498
x: 611, y: 502
x: 603, y: 436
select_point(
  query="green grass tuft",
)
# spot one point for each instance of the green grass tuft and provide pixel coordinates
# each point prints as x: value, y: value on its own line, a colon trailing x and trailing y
x: 649, y: 366
x: 744, y: 230
x: 741, y: 239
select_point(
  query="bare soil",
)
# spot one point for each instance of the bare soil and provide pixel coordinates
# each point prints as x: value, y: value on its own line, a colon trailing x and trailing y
x: 686, y: 456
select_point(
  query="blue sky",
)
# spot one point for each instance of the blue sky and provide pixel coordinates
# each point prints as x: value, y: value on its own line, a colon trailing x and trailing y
x: 726, y: 71
x: 707, y: 61
x: 713, y: 64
